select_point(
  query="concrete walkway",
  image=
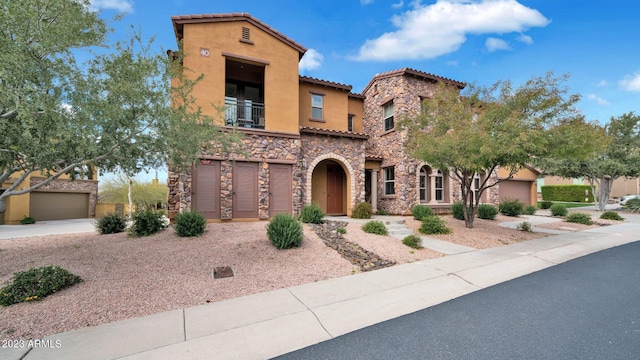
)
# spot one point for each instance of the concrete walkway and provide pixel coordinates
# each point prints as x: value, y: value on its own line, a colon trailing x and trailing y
x: 49, y: 227
x: 268, y: 324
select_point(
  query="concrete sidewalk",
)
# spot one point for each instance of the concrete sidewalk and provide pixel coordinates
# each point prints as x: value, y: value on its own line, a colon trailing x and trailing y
x: 48, y: 227
x: 268, y: 324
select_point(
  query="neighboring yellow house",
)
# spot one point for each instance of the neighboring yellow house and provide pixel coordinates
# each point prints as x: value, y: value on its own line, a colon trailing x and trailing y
x: 60, y: 199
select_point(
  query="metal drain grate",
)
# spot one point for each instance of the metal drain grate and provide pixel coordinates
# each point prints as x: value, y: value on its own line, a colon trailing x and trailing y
x: 220, y: 272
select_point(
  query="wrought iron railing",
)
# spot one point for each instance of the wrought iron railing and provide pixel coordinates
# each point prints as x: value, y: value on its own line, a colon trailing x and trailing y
x: 244, y: 113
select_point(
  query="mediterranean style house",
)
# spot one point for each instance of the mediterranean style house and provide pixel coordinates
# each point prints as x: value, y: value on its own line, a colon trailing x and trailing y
x: 308, y: 140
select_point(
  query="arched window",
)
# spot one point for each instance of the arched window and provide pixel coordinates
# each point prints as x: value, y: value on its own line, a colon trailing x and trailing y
x: 424, y: 178
x: 439, y: 185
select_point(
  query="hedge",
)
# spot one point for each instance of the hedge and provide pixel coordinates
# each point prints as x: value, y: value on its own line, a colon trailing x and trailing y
x: 568, y: 193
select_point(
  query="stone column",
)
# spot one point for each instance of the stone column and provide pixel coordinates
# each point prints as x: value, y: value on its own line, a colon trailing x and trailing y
x: 374, y: 190
x: 432, y: 188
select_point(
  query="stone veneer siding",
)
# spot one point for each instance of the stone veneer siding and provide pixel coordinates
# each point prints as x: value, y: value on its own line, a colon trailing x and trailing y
x: 263, y: 149
x: 346, y: 151
x: 72, y: 186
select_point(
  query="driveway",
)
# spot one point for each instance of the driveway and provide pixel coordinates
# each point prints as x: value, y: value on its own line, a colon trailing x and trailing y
x: 50, y: 227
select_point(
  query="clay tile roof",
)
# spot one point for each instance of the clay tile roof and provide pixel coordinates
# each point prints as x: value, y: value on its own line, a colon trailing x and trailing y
x: 416, y: 73
x: 373, y: 157
x: 357, y: 96
x: 326, y: 83
x: 339, y: 133
x: 179, y: 21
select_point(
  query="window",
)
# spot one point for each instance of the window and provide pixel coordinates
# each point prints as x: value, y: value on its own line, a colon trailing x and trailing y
x: 387, y: 114
x: 350, y: 122
x: 389, y: 181
x: 423, y: 183
x: 316, y: 106
x: 475, y: 185
x: 439, y: 186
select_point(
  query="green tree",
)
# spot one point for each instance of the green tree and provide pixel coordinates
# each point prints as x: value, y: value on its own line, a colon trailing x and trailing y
x: 114, y: 112
x: 618, y: 155
x: 484, y: 129
x: 116, y: 190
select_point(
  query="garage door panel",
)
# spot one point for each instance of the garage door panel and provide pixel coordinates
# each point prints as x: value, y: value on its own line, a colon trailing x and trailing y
x: 280, y: 196
x: 206, y: 190
x: 58, y: 205
x: 520, y: 190
x: 245, y: 190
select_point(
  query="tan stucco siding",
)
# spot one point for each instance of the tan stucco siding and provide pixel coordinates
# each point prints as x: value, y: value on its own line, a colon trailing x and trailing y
x: 335, y: 107
x: 356, y: 107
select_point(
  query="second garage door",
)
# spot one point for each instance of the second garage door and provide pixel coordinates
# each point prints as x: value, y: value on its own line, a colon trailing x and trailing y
x: 58, y: 205
x: 512, y: 189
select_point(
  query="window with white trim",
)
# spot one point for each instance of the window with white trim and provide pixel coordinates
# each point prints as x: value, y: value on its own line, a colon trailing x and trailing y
x: 424, y: 177
x: 439, y: 186
x: 387, y: 115
x: 317, y: 102
x: 389, y: 181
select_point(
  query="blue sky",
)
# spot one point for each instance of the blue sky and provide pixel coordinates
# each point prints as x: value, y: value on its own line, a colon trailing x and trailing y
x: 475, y: 41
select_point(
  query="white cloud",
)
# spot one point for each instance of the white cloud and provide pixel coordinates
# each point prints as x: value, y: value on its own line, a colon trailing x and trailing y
x: 119, y: 5
x: 398, y: 5
x: 494, y: 44
x: 428, y: 31
x: 366, y: 2
x: 631, y: 82
x: 598, y: 100
x: 525, y: 39
x: 312, y: 59
x: 603, y: 83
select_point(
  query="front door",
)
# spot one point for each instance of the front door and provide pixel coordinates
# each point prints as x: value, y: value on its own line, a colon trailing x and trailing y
x: 334, y: 189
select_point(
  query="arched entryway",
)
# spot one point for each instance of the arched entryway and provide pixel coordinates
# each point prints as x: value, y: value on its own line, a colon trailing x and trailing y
x: 330, y: 183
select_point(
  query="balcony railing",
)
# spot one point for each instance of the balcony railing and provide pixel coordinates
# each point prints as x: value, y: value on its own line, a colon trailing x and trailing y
x: 244, y: 113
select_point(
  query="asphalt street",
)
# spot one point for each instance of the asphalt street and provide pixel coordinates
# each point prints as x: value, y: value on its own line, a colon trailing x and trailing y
x: 587, y: 308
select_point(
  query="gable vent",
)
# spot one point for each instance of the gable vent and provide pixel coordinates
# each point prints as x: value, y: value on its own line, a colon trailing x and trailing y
x: 246, y: 34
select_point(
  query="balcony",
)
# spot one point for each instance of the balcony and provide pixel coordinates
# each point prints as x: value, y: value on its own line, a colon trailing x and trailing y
x: 244, y: 113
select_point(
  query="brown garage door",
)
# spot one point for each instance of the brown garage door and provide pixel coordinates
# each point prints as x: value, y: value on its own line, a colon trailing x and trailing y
x: 245, y: 190
x: 58, y: 205
x: 206, y: 189
x: 279, y: 189
x: 513, y: 189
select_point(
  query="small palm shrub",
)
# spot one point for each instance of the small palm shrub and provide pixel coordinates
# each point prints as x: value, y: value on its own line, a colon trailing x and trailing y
x: 147, y: 222
x: 433, y: 225
x: 312, y: 214
x: 545, y: 204
x: 525, y: 226
x: 457, y: 210
x: 382, y: 212
x: 611, y: 215
x: 375, y: 227
x: 362, y: 211
x: 420, y: 211
x: 529, y: 210
x: 511, y: 207
x: 36, y: 284
x: 558, y: 210
x: 341, y: 230
x: 111, y: 224
x: 413, y: 241
x: 285, y: 231
x: 190, y: 223
x: 579, y: 218
x: 487, y: 212
x: 28, y: 220
x: 633, y: 205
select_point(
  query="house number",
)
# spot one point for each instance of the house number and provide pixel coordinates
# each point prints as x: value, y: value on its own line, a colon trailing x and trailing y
x: 204, y: 52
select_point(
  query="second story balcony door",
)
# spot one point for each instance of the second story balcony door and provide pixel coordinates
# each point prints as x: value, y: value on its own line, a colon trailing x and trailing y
x: 244, y: 95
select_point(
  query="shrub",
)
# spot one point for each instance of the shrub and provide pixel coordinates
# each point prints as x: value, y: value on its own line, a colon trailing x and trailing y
x: 35, y: 284
x: 568, y: 193
x: 511, y: 207
x: 579, y: 218
x: 545, y: 204
x: 434, y: 225
x: 525, y: 226
x: 611, y: 215
x: 311, y: 214
x: 27, y: 220
x: 375, y: 227
x: 362, y: 211
x: 420, y: 211
x: 341, y: 230
x: 457, y: 210
x: 529, y: 210
x: 147, y: 222
x: 382, y: 212
x: 558, y: 210
x: 487, y: 212
x: 633, y: 205
x: 413, y: 241
x: 285, y: 231
x: 190, y: 223
x: 111, y: 224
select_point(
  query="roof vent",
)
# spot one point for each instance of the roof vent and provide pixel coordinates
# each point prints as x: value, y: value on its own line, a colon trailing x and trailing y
x: 246, y: 36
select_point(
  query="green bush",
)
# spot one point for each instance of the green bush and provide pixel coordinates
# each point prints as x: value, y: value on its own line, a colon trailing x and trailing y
x: 611, y: 215
x: 362, y: 211
x: 545, y: 204
x: 633, y: 205
x: 558, y: 210
x: 511, y: 207
x: 567, y: 193
x: 147, y: 222
x: 28, y: 220
x: 434, y: 225
x: 36, y: 284
x: 375, y: 227
x: 525, y: 226
x: 529, y: 210
x: 413, y: 241
x: 285, y: 231
x: 312, y: 214
x: 457, y: 210
x: 341, y: 230
x: 111, y: 224
x: 487, y: 212
x: 190, y: 223
x: 579, y: 218
x: 420, y: 211
x: 382, y: 212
